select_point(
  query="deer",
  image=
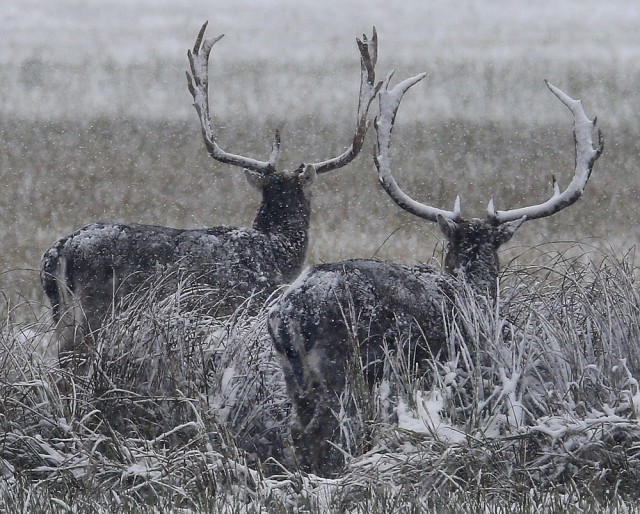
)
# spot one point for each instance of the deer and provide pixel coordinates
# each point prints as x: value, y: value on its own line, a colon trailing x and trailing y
x: 344, y: 316
x: 89, y: 274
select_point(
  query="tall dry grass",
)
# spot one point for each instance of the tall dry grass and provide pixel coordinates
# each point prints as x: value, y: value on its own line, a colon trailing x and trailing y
x: 535, y: 409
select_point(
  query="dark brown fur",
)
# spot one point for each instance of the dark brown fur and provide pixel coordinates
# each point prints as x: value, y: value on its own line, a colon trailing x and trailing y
x: 364, y: 304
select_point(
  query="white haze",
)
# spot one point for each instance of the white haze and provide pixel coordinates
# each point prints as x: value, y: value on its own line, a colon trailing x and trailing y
x: 280, y: 58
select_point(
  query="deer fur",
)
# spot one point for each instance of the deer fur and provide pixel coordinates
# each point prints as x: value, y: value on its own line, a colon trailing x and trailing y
x: 338, y: 315
x: 93, y: 272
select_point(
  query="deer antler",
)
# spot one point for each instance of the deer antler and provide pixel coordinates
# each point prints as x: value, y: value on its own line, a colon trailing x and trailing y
x: 389, y: 103
x: 586, y: 155
x: 198, y: 82
x: 368, y: 90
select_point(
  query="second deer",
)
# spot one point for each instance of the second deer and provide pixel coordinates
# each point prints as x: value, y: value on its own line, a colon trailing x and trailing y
x: 336, y: 313
x: 91, y: 272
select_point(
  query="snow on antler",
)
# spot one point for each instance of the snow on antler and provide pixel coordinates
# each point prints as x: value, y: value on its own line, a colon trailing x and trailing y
x: 198, y: 82
x: 368, y: 91
x: 586, y: 154
x: 198, y: 86
x: 389, y: 104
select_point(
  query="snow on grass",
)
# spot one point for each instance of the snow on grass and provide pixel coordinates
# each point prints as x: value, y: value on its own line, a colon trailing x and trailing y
x: 426, y: 417
x: 541, y: 401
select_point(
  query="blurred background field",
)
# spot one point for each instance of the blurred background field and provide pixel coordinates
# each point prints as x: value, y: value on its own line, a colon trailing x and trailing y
x: 96, y: 121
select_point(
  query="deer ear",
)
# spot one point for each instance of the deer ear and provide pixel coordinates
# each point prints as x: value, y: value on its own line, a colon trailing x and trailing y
x: 507, y: 229
x: 255, y: 178
x: 307, y: 176
x: 447, y: 226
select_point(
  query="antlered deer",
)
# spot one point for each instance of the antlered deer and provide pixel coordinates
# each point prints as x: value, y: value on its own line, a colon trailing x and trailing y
x: 337, y: 312
x: 89, y: 273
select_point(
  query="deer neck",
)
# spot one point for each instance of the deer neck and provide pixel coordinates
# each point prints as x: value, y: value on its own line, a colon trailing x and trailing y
x: 286, y: 224
x: 479, y: 271
x: 483, y: 281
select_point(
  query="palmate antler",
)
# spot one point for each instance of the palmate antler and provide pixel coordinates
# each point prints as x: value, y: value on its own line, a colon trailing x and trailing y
x: 389, y: 104
x: 368, y: 91
x: 586, y: 155
x: 198, y: 83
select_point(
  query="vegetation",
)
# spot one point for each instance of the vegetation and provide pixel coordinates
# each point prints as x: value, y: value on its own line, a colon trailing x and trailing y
x: 184, y: 413
x: 535, y: 410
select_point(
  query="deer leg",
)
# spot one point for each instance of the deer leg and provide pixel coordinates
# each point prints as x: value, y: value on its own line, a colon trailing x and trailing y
x: 315, y: 429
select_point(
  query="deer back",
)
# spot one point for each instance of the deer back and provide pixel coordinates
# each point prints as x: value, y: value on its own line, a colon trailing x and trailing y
x: 361, y: 299
x: 97, y: 269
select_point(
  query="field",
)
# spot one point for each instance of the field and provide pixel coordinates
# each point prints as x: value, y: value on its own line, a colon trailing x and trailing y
x: 96, y: 124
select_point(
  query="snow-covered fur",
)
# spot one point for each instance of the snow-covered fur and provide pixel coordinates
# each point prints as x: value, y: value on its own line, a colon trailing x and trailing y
x: 334, y: 311
x: 89, y: 273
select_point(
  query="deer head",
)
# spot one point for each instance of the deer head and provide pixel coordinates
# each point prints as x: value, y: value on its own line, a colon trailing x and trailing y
x: 473, y: 244
x: 262, y: 174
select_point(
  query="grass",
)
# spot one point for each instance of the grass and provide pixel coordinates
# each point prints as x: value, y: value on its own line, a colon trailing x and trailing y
x: 71, y: 173
x: 184, y: 413
x: 537, y: 410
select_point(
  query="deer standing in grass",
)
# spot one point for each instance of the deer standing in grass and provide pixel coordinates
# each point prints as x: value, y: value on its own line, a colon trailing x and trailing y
x: 338, y: 312
x: 91, y: 272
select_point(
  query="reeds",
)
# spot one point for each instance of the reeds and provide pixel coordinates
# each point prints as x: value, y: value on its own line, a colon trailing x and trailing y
x: 535, y: 408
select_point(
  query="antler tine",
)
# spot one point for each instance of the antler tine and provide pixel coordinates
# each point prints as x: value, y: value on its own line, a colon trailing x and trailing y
x: 389, y: 103
x: 368, y: 91
x: 585, y: 155
x: 198, y: 83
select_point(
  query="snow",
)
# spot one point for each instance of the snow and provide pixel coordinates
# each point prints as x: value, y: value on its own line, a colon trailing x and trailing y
x: 88, y: 58
x: 426, y: 417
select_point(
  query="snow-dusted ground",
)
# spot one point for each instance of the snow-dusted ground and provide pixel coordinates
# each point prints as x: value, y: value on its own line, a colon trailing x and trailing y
x: 298, y: 57
x: 291, y: 60
x: 293, y: 65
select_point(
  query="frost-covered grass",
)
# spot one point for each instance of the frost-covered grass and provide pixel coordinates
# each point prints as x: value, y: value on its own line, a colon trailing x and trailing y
x: 535, y: 410
x: 96, y: 123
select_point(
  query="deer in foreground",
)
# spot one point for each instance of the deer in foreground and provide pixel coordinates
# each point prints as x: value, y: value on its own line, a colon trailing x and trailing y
x: 336, y: 313
x: 91, y: 272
